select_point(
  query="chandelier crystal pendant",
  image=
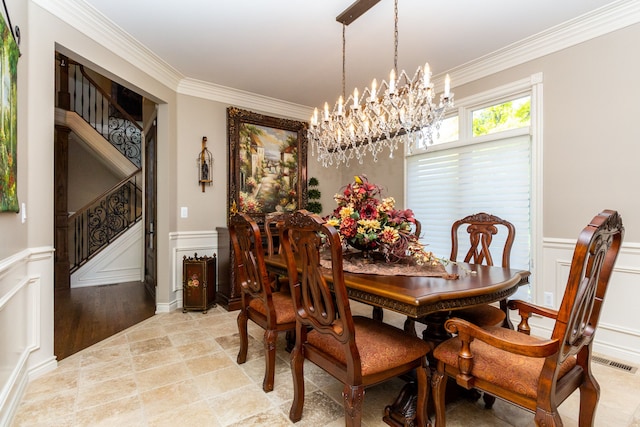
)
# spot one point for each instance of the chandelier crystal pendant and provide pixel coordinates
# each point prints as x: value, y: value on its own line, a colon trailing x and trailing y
x: 404, y: 110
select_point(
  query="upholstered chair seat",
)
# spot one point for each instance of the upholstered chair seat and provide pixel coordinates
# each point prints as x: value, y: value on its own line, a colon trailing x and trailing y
x: 262, y: 302
x: 502, y: 368
x: 282, y: 305
x: 538, y: 374
x: 379, y: 345
x: 356, y: 350
x: 482, y: 315
x: 482, y: 228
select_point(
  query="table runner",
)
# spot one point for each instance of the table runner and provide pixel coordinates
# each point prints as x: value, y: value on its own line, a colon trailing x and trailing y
x: 353, y: 262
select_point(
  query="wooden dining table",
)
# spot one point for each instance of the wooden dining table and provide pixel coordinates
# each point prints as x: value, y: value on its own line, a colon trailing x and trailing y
x: 419, y: 296
x: 427, y: 299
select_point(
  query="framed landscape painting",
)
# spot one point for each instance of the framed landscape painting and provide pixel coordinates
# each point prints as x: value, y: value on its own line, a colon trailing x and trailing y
x: 267, y: 164
x: 9, y: 54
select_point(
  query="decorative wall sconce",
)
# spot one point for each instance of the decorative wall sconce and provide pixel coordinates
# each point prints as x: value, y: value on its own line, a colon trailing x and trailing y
x: 205, y: 165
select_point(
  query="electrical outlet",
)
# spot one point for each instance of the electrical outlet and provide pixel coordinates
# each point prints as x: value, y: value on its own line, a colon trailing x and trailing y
x: 548, y: 299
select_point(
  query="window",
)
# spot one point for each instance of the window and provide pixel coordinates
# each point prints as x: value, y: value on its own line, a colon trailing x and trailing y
x: 512, y: 114
x: 448, y: 132
x: 493, y: 177
x: 485, y: 167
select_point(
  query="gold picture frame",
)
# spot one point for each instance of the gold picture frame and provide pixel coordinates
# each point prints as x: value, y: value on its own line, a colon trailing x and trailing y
x: 267, y: 164
x: 9, y: 54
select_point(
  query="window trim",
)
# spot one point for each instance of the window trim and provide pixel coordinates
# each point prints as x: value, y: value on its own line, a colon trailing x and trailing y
x: 532, y: 85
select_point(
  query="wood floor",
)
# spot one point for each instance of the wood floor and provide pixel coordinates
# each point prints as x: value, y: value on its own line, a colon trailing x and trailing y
x: 85, y: 316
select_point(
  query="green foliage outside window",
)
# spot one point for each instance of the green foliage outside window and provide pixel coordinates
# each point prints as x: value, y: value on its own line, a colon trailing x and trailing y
x: 497, y: 118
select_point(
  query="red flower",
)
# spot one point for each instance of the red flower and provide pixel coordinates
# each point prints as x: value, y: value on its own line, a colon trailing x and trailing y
x: 348, y: 227
x: 369, y: 210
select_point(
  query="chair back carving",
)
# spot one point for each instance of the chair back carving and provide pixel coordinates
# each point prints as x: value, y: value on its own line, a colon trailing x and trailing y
x: 251, y: 270
x: 536, y: 373
x: 326, y: 330
x: 481, y: 228
x: 593, y: 262
x: 272, y: 224
x: 318, y: 306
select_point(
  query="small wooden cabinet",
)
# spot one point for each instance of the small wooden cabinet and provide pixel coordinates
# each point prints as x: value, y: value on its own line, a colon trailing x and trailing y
x: 198, y: 283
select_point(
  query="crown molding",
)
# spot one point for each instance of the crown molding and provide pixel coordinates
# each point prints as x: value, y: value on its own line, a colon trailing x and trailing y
x: 89, y: 21
x: 606, y: 19
x: 92, y: 23
x: 239, y: 98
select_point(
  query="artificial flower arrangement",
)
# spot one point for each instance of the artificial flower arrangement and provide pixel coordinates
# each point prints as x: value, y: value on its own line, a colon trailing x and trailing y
x: 368, y: 222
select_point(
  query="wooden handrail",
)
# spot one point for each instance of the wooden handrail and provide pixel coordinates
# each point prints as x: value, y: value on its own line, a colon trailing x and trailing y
x: 106, y: 95
x: 103, y: 195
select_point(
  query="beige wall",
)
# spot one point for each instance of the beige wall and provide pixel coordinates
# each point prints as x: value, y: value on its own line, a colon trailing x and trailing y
x: 198, y: 117
x: 590, y: 144
x: 88, y: 176
x: 386, y: 172
x: 590, y: 153
x: 589, y: 150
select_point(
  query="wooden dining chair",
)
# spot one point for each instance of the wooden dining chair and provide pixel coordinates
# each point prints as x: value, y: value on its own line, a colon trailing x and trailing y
x: 356, y: 350
x: 482, y: 227
x: 269, y: 309
x: 535, y: 373
x: 272, y: 224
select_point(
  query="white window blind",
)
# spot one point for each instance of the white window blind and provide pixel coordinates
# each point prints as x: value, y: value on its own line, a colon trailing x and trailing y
x: 493, y: 177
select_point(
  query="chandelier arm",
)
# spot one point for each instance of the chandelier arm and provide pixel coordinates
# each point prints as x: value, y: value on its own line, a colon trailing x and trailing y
x: 383, y: 116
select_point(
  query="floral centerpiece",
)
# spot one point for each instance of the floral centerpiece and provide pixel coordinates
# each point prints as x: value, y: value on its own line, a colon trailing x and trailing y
x: 368, y: 222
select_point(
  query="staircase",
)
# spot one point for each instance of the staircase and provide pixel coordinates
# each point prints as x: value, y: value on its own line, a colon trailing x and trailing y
x: 114, y: 137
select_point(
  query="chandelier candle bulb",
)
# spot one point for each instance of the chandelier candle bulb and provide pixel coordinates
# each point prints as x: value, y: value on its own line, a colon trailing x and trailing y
x: 447, y: 86
x: 427, y: 75
x: 402, y: 110
x: 392, y: 81
x: 374, y: 84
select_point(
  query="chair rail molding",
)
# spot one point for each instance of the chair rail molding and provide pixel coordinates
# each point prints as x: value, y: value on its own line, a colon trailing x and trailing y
x: 618, y: 334
x: 187, y: 243
x: 26, y: 315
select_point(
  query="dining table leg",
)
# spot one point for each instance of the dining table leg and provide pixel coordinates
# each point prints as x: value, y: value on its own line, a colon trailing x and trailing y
x: 402, y: 411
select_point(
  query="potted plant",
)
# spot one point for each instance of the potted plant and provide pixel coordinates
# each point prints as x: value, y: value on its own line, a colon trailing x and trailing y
x: 313, y: 194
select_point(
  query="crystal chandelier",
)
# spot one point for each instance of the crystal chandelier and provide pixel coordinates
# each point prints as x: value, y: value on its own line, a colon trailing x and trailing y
x: 403, y: 110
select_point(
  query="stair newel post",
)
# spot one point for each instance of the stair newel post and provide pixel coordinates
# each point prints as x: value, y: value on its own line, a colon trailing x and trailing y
x: 64, y: 97
x: 62, y: 277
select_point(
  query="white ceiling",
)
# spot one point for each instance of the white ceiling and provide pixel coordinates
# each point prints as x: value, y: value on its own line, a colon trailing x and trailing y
x: 292, y: 49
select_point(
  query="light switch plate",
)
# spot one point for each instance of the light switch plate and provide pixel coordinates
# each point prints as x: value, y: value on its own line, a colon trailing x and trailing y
x: 184, y: 212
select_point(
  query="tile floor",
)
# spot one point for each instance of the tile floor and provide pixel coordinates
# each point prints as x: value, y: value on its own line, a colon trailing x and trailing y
x: 178, y: 369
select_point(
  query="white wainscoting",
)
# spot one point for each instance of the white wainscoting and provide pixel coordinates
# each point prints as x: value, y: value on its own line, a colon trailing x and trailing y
x: 181, y: 244
x: 618, y: 333
x: 26, y: 341
x: 120, y: 262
